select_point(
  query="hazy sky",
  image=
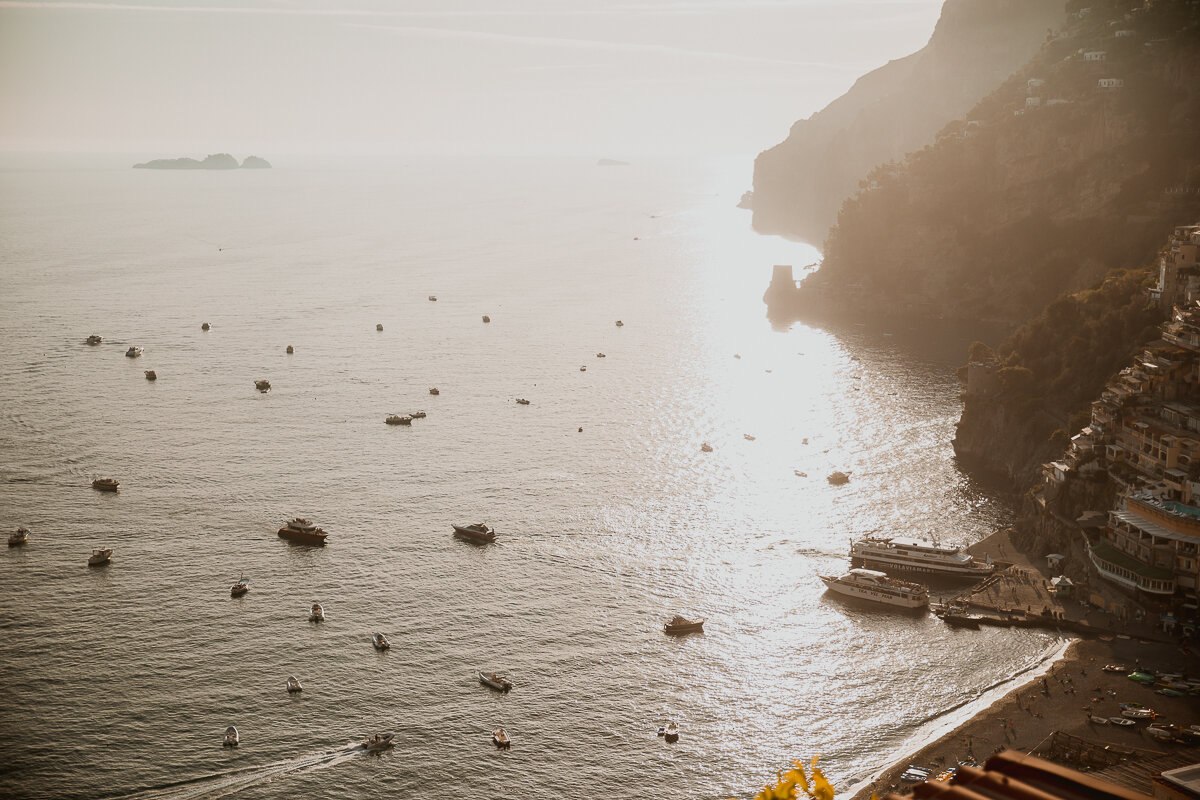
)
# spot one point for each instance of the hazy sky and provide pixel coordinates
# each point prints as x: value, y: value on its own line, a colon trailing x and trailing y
x: 590, y: 77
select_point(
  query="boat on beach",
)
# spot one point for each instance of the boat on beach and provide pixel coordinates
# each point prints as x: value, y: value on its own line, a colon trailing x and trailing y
x: 476, y: 533
x: 18, y: 537
x: 380, y: 741
x: 106, y: 484
x: 680, y: 626
x: 100, y: 556
x: 301, y: 530
x: 500, y: 738
x: 917, y: 555
x: 240, y: 588
x: 231, y: 737
x: 1120, y: 721
x: 869, y: 584
x: 316, y: 613
x: 380, y: 641
x: 497, y: 682
x: 293, y: 684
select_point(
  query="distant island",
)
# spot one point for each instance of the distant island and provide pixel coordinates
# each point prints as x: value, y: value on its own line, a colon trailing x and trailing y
x: 215, y: 161
x: 611, y: 162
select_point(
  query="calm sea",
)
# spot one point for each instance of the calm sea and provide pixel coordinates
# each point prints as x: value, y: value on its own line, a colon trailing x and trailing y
x: 120, y: 680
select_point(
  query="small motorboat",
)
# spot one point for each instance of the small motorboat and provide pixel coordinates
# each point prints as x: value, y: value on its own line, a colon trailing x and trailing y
x: 151, y: 375
x: 134, y: 352
x: 379, y: 327
x: 476, y: 533
x: 240, y: 588
x: 706, y: 448
x: 93, y: 339
x: 316, y: 613
x: 418, y: 415
x: 263, y: 385
x: 434, y: 390
x: 20, y: 536
x: 293, y: 684
x: 671, y: 732
x: 486, y: 318
x: 380, y: 641
x: 601, y: 355
x: 106, y: 484
x: 497, y: 682
x: 289, y: 350
x: 582, y: 368
x: 521, y: 401
x: 748, y: 437
x: 204, y: 326
x: 678, y: 626
x: 433, y: 298
x: 1121, y: 721
x: 398, y: 419
x: 500, y: 738
x: 380, y: 741
x: 231, y: 737
x: 100, y: 556
x: 620, y: 324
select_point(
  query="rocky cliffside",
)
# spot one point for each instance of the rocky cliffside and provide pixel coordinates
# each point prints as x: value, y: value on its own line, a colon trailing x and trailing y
x: 800, y: 184
x: 1080, y: 163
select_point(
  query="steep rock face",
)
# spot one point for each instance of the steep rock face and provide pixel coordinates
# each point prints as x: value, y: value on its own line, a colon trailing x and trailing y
x: 1033, y: 198
x: 800, y: 184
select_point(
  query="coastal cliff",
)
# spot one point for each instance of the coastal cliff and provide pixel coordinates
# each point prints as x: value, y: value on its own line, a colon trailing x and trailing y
x: 1080, y: 163
x: 214, y: 161
x: 800, y: 184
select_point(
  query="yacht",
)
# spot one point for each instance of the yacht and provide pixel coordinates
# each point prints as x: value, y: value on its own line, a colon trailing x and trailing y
x: 917, y: 555
x: 316, y: 613
x: 21, y: 536
x: 303, y: 531
x: 869, y: 584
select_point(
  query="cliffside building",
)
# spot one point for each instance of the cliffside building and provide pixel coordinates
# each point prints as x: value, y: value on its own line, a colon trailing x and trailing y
x: 1179, y: 269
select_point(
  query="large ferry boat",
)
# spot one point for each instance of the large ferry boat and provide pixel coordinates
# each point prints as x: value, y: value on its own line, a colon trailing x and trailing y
x: 871, y: 585
x: 917, y: 555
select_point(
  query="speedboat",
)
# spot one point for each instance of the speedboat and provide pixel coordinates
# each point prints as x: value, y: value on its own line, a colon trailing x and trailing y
x: 106, y: 484
x: 500, y: 738
x: 498, y: 682
x: 476, y: 533
x: 94, y: 339
x: 21, y: 536
x: 231, y: 737
x: 316, y: 613
x: 671, y: 732
x: 380, y: 741
x: 240, y: 588
x: 678, y: 626
x: 418, y: 415
x: 398, y: 419
x: 134, y: 352
x: 380, y: 641
x: 100, y: 556
x: 293, y: 684
x: 263, y: 385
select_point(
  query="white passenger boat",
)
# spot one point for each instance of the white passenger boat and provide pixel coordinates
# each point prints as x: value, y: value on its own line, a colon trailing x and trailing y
x: 380, y: 641
x: 316, y: 613
x: 293, y: 684
x: 917, y: 555
x: 869, y: 584
x: 231, y: 737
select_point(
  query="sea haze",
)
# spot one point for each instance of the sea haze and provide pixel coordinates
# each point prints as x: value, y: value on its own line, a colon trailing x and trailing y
x: 121, y: 680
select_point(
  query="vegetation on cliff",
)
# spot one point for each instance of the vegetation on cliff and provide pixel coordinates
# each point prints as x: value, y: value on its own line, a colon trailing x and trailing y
x: 800, y: 184
x: 1052, y: 181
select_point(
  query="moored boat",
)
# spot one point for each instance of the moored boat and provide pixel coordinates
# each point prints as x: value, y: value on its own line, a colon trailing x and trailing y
x: 231, y: 737
x: 100, y: 556
x: 521, y: 401
x: 380, y: 741
x: 917, y: 555
x: 500, y: 738
x: 134, y: 352
x: 678, y: 626
x: 106, y: 484
x: 302, y: 531
x: 434, y: 390
x: 398, y: 419
x: 20, y: 536
x: 94, y: 339
x: 870, y: 584
x: 240, y: 588
x: 380, y: 641
x: 476, y: 532
x: 1120, y: 721
x: 204, y: 326
x: 497, y: 682
x: 671, y: 732
x: 263, y: 385
x: 293, y: 684
x: 418, y: 415
x: 316, y: 613
x: 151, y: 375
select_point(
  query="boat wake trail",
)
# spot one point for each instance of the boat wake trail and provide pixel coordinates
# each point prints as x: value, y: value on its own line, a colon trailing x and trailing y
x: 222, y: 784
